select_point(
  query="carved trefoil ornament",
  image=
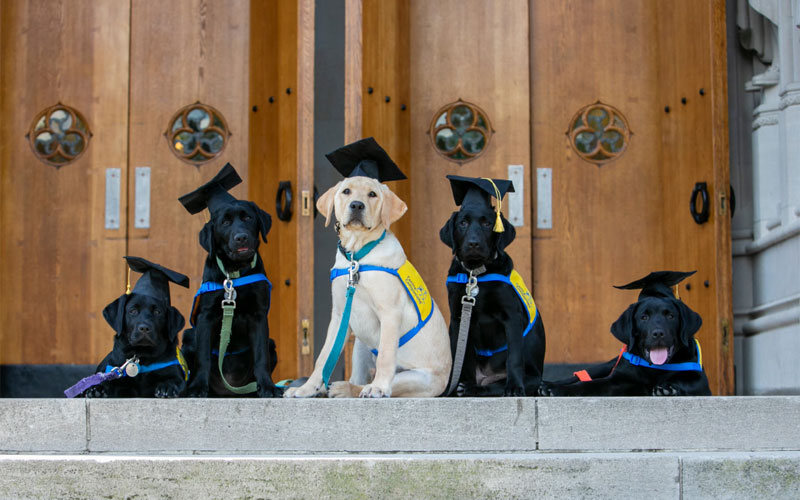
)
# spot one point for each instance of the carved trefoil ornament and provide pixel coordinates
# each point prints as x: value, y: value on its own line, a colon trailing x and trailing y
x: 197, y: 133
x: 59, y: 135
x: 460, y: 131
x: 599, y: 133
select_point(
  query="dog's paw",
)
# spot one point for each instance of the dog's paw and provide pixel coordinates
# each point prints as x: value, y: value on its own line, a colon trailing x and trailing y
x: 344, y: 389
x: 197, y: 391
x: 305, y: 391
x: 664, y: 390
x: 514, y: 391
x: 375, y: 391
x: 547, y: 390
x: 465, y: 390
x: 167, y: 390
x: 269, y: 391
x: 95, y: 392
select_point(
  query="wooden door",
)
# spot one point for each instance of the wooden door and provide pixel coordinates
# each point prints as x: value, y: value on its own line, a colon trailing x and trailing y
x: 661, y: 68
x: 241, y: 59
x: 59, y: 263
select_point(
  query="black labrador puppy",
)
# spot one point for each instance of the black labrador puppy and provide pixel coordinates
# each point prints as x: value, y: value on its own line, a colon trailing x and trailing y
x: 661, y: 356
x: 506, y: 340
x: 146, y: 327
x: 231, y: 238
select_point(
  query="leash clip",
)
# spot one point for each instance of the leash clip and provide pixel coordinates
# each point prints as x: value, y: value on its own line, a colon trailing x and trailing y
x: 230, y: 292
x: 130, y: 367
x: 353, y: 277
x: 472, y: 287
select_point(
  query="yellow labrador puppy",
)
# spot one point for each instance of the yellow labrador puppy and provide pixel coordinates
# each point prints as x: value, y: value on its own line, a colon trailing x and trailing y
x: 382, y: 310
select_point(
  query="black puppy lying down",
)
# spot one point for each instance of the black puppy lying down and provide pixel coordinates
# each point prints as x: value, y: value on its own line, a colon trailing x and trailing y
x: 661, y: 356
x: 244, y: 365
x: 506, y: 340
x: 146, y: 327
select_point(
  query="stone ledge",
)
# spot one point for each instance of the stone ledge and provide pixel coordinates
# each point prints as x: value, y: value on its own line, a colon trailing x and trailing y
x: 774, y: 475
x: 509, y: 425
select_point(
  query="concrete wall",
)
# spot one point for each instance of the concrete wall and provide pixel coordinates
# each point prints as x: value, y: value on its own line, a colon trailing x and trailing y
x: 764, y: 98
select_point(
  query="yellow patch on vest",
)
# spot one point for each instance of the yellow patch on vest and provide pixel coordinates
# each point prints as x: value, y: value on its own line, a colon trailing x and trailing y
x: 182, y: 362
x: 519, y: 284
x: 416, y: 287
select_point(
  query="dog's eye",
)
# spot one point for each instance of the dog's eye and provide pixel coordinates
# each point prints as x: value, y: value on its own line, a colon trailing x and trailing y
x: 644, y: 317
x: 156, y: 311
x: 670, y: 316
x: 226, y: 222
x: 486, y: 223
x: 372, y: 194
x: 463, y: 223
x: 133, y: 311
x: 346, y: 191
x: 246, y: 217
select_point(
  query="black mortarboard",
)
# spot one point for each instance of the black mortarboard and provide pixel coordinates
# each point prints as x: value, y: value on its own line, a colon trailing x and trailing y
x: 155, y: 279
x: 657, y: 284
x: 212, y: 192
x: 483, y: 187
x: 365, y: 158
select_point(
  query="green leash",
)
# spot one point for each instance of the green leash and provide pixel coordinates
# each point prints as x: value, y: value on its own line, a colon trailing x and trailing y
x: 228, y: 307
x: 352, y: 281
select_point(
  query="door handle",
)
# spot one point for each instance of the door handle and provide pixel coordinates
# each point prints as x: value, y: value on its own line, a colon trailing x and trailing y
x: 283, y: 201
x: 701, y: 189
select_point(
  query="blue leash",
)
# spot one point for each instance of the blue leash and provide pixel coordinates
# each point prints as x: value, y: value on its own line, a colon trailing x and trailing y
x: 352, y: 280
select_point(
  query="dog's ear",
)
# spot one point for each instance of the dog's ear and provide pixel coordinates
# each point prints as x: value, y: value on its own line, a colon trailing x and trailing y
x: 624, y: 325
x: 175, y: 323
x: 207, y: 237
x: 507, y: 236
x: 264, y: 221
x: 393, y: 207
x: 114, y: 313
x: 325, y: 203
x: 690, y: 322
x: 448, y: 232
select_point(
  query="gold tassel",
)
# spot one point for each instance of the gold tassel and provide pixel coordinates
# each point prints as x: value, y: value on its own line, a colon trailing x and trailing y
x: 498, y: 223
x: 128, y: 286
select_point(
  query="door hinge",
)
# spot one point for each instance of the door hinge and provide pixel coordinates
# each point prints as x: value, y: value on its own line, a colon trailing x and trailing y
x: 723, y: 203
x: 305, y: 350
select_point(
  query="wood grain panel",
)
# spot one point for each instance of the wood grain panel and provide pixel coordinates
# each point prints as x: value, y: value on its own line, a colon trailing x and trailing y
x: 478, y: 51
x: 181, y: 53
x: 606, y: 220
x: 695, y: 149
x: 59, y: 266
x: 281, y: 149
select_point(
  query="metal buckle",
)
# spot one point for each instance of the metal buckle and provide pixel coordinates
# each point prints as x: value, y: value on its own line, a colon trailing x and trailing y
x: 353, y: 276
x: 468, y: 299
x: 230, y: 292
x: 472, y: 286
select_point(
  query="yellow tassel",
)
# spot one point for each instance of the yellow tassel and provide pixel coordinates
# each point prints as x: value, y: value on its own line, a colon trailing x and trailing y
x: 498, y: 223
x: 128, y: 285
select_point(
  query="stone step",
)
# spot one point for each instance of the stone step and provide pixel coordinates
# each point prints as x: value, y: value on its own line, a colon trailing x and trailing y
x: 648, y: 475
x: 491, y: 425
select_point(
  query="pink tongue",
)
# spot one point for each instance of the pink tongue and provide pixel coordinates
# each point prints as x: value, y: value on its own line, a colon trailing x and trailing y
x: 658, y: 356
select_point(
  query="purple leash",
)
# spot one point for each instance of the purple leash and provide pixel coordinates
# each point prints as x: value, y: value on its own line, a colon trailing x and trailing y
x: 130, y: 367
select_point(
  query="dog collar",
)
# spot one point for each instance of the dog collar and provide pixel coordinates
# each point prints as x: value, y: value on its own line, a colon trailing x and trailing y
x: 689, y: 366
x: 356, y: 256
x: 235, y: 274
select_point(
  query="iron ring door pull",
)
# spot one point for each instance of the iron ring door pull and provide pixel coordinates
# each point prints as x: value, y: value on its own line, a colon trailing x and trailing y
x: 284, y: 210
x: 700, y: 217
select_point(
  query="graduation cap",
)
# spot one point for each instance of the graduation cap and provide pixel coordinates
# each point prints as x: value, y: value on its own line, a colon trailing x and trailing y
x: 155, y: 279
x: 365, y: 158
x: 657, y: 284
x: 467, y: 188
x: 212, y: 193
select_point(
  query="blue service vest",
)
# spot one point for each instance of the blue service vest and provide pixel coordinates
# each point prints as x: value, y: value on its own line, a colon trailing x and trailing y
x: 414, y: 287
x: 518, y: 284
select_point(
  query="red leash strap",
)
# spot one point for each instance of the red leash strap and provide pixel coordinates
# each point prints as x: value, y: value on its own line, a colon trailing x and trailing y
x: 584, y: 376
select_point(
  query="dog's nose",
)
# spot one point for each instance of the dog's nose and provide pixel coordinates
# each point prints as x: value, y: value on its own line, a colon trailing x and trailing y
x: 356, y: 205
x: 143, y: 329
x: 658, y: 334
x: 240, y: 238
x: 472, y: 245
